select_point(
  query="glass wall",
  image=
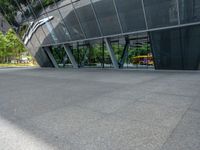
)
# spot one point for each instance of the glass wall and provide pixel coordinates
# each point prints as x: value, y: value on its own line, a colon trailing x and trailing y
x: 93, y: 54
x: 177, y: 48
x: 161, y: 13
x: 133, y: 51
x: 61, y: 3
x: 167, y: 49
x: 35, y: 26
x: 50, y: 22
x: 59, y: 27
x: 60, y: 56
x: 58, y: 21
x: 107, y: 16
x: 87, y: 18
x: 131, y: 15
x: 25, y: 19
x: 72, y: 22
x: 189, y: 11
x: 50, y: 37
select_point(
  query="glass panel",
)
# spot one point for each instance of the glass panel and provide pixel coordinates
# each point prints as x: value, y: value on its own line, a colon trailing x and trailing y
x: 83, y: 55
x: 93, y: 54
x: 59, y: 26
x: 34, y: 52
x: 39, y: 55
x: 14, y: 14
x: 31, y: 48
x: 140, y: 53
x: 3, y: 13
x: 45, y: 21
x: 34, y: 6
x: 181, y: 51
x: 20, y: 15
x: 42, y: 58
x: 167, y: 49
x: 25, y: 21
x: 47, y: 5
x: 131, y: 15
x: 60, y: 56
x: 34, y: 40
x: 61, y: 3
x: 39, y: 32
x: 4, y: 26
x: 189, y: 11
x: 36, y: 26
x: 46, y: 27
x: 161, y: 13
x: 190, y: 46
x: 107, y: 16
x: 53, y: 18
x: 96, y: 54
x: 71, y: 21
x: 87, y: 18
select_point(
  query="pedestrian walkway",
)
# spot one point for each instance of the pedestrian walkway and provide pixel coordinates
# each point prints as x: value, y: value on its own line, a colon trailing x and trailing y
x: 97, y: 109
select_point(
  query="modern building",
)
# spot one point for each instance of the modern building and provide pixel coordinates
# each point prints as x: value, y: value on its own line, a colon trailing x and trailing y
x: 109, y: 33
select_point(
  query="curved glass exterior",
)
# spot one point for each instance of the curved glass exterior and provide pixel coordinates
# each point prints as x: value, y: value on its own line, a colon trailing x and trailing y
x: 41, y: 23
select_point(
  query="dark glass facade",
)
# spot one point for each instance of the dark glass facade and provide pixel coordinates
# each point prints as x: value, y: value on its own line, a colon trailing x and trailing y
x: 177, y: 48
x: 172, y: 26
x: 189, y: 11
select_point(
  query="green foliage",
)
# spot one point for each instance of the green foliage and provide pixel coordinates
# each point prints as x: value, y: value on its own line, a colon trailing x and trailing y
x: 143, y: 49
x: 47, y: 2
x: 10, y: 8
x: 10, y: 47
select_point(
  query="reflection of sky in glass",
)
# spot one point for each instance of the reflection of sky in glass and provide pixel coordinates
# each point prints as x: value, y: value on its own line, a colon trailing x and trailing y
x: 26, y: 13
x: 50, y: 28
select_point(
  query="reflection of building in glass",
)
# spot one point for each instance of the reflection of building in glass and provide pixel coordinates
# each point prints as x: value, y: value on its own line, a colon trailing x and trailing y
x: 33, y: 27
x: 108, y: 33
x: 3, y: 24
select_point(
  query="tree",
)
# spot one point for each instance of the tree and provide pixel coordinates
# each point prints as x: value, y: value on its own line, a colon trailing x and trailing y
x: 2, y: 46
x: 10, y: 47
x: 14, y: 47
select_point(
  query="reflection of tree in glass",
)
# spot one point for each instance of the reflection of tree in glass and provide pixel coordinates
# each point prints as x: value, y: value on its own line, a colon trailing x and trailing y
x: 10, y: 8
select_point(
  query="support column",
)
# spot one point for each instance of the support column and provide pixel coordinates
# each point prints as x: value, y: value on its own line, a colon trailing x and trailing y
x: 70, y: 55
x: 112, y: 54
x: 48, y: 51
x: 125, y: 53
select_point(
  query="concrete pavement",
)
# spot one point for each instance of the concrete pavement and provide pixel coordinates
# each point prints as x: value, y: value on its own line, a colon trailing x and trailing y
x: 95, y: 109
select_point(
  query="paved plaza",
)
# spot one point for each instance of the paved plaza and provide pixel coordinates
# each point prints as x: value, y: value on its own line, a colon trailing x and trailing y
x: 99, y: 109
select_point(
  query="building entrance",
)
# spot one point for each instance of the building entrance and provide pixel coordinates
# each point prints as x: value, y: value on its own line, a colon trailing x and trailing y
x: 132, y: 52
